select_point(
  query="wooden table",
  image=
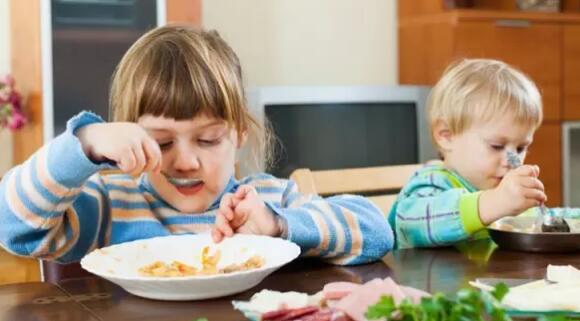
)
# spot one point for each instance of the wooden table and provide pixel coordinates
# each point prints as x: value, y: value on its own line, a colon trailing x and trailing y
x: 444, y: 269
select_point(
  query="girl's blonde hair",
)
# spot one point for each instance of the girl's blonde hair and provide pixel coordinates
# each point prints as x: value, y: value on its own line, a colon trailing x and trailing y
x: 477, y: 90
x: 180, y: 72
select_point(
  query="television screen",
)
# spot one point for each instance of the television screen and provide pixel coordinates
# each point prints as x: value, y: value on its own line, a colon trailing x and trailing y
x: 343, y: 135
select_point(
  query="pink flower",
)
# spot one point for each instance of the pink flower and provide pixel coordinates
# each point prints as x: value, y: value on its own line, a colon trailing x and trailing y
x: 16, y: 121
x: 4, y: 95
x: 7, y: 80
x: 11, y: 114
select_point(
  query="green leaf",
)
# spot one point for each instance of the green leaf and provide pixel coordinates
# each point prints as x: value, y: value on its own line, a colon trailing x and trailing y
x: 467, y: 305
x: 382, y: 309
x: 500, y: 290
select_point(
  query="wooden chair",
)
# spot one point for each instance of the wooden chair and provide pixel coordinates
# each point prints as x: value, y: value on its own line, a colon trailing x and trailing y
x: 379, y: 184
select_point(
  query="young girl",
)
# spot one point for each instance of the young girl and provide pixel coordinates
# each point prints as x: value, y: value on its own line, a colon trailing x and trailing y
x: 180, y: 119
x: 479, y: 111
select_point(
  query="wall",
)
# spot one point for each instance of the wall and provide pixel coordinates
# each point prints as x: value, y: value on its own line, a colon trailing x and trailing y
x: 5, y: 138
x: 305, y: 42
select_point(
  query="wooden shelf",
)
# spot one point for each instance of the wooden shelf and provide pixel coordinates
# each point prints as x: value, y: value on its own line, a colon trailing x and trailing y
x: 490, y: 15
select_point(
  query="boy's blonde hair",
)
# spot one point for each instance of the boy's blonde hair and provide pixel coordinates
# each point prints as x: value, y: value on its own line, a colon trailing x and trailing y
x: 473, y: 90
x: 180, y: 72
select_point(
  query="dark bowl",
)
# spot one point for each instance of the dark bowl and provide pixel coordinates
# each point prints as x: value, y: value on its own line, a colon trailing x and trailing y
x: 515, y: 233
x: 536, y: 242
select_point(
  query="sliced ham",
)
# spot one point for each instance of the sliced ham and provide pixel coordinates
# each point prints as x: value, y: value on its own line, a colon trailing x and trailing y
x: 338, y: 290
x: 357, y: 302
x: 414, y: 294
x: 338, y: 301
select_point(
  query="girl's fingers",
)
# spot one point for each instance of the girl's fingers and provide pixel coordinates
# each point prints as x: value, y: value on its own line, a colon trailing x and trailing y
x: 216, y: 235
x: 223, y: 225
x: 243, y: 191
x: 227, y: 206
x: 241, y: 215
x: 153, y: 155
x: 140, y: 160
x: 127, y: 163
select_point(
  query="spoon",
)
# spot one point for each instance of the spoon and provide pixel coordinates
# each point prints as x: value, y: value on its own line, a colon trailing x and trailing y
x: 178, y: 181
x: 546, y: 221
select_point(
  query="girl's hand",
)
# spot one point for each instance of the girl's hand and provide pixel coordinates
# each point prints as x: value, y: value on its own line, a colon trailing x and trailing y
x: 245, y: 212
x: 126, y: 144
x: 519, y: 190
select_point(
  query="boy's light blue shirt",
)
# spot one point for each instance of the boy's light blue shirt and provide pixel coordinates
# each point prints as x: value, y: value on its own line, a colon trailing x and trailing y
x: 438, y: 207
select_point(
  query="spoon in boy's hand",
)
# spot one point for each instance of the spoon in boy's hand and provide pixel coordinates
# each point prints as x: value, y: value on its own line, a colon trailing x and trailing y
x: 546, y: 221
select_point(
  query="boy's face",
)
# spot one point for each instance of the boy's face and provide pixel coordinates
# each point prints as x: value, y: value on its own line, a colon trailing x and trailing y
x: 479, y: 154
x: 198, y: 154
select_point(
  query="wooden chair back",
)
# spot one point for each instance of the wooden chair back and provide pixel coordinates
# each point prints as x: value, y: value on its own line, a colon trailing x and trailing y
x: 379, y: 184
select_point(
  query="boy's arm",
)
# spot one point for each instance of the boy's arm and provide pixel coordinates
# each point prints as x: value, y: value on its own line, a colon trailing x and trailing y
x: 431, y: 212
x: 48, y: 202
x: 343, y: 229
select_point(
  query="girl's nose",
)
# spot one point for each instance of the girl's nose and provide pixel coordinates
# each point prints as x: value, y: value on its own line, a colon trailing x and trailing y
x: 186, y: 160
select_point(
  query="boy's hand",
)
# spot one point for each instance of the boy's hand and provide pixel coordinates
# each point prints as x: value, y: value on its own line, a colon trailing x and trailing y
x: 519, y: 190
x: 244, y: 212
x: 126, y: 144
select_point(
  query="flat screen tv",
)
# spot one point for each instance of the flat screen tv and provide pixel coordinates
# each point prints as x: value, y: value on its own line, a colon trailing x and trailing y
x: 344, y: 127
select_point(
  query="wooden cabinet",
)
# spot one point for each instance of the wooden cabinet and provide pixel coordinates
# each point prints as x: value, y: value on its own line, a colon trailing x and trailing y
x: 545, y: 46
x: 528, y: 46
x: 571, y: 71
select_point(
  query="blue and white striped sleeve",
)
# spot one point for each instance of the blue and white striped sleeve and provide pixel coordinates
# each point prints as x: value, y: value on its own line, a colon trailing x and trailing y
x: 49, y: 208
x: 345, y: 229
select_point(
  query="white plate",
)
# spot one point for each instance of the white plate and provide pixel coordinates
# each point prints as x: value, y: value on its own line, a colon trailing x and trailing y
x: 120, y: 264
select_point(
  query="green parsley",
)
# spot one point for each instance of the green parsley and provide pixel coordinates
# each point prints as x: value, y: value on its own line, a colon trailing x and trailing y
x: 468, y: 304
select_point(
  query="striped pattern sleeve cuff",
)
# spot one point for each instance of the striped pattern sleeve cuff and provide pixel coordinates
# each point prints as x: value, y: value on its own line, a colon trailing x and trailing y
x: 66, y: 160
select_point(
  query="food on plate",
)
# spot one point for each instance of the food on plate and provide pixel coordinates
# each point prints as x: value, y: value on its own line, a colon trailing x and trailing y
x: 559, y: 291
x: 525, y: 224
x: 338, y: 301
x: 209, y: 266
x: 563, y: 273
x: 380, y: 299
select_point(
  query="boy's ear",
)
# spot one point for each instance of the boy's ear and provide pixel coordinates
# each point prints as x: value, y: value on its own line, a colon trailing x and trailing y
x: 442, y: 135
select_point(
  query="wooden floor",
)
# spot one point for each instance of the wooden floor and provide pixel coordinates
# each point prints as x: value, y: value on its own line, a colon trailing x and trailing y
x: 15, y: 269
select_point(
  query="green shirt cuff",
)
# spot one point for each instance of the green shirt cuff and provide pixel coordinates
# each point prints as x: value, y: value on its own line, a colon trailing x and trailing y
x: 469, y: 212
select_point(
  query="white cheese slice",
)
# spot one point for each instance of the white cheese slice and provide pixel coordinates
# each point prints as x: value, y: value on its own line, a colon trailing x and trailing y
x: 563, y: 273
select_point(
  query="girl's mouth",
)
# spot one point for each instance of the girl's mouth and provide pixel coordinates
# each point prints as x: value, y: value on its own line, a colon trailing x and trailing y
x: 186, y: 186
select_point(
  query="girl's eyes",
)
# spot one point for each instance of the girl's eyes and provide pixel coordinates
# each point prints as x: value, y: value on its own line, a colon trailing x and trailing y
x: 202, y: 142
x: 497, y: 147
x: 208, y: 142
x: 165, y: 145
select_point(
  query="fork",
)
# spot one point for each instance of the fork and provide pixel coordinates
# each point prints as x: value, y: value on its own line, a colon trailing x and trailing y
x: 546, y: 221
